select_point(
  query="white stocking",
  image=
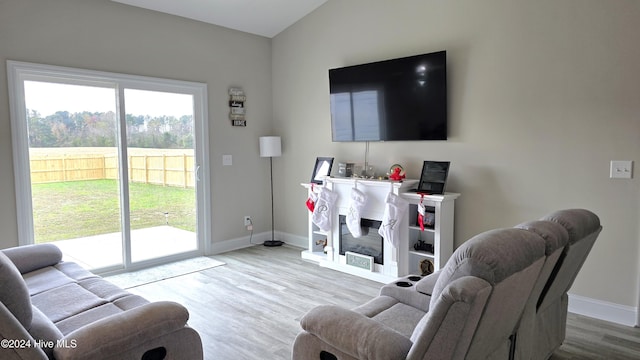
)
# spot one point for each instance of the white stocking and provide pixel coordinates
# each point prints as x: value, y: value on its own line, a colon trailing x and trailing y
x: 323, y: 209
x: 393, y: 213
x: 358, y: 199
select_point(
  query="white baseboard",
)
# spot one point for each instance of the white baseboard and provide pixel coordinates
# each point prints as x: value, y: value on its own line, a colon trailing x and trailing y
x: 295, y: 240
x: 239, y: 243
x: 603, y: 310
x: 256, y: 239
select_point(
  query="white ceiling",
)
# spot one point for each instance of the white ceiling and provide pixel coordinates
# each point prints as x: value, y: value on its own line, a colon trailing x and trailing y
x: 262, y: 17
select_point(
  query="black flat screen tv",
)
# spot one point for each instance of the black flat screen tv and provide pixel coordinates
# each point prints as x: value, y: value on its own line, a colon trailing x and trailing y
x: 392, y: 100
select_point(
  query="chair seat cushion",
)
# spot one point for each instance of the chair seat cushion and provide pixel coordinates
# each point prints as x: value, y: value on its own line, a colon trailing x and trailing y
x: 65, y: 301
x: 72, y: 297
x: 401, y: 318
x: 392, y: 313
x: 89, y: 316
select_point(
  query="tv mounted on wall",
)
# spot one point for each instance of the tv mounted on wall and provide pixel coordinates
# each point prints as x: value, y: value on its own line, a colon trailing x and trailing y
x: 392, y: 100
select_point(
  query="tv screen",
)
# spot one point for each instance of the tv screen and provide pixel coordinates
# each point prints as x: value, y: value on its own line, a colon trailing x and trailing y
x: 391, y: 100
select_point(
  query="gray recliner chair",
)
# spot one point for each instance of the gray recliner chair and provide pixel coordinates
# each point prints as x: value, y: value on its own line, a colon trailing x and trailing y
x: 543, y: 326
x: 468, y: 310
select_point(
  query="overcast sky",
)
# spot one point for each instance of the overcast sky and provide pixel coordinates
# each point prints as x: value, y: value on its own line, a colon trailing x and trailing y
x: 47, y: 98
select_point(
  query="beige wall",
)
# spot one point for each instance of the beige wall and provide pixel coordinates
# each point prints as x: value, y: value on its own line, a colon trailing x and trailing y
x: 542, y: 95
x: 108, y: 36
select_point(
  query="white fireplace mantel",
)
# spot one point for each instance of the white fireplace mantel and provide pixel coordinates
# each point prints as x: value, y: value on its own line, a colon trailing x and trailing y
x: 376, y: 192
x: 395, y: 260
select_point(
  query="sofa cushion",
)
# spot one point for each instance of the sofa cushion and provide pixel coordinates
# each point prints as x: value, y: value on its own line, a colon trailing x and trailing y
x: 94, y: 314
x: 65, y: 301
x: 89, y: 316
x: 75, y: 271
x: 17, y: 300
x: 52, y: 277
x: 44, y: 279
x: 103, y: 289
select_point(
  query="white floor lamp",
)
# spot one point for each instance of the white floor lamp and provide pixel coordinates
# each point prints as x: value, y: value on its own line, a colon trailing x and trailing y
x: 270, y: 146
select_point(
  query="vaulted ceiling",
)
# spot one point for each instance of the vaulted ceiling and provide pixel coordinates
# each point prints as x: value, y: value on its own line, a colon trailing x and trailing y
x: 261, y: 17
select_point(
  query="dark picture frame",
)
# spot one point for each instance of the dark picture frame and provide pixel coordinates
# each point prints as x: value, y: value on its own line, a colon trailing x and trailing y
x: 433, y: 179
x: 321, y: 169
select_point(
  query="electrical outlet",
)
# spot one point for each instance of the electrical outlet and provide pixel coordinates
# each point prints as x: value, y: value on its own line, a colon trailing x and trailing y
x: 227, y: 160
x: 247, y: 220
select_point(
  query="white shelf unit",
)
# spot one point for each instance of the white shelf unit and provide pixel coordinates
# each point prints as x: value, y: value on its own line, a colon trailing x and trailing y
x: 314, y: 250
x: 439, y: 236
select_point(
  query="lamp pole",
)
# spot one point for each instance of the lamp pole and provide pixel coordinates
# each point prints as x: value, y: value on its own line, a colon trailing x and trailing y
x: 270, y: 146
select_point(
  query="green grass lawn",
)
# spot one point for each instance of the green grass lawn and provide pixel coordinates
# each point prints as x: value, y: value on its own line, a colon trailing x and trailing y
x: 69, y: 210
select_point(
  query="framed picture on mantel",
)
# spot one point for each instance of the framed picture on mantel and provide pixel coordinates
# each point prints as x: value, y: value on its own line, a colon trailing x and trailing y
x: 322, y: 169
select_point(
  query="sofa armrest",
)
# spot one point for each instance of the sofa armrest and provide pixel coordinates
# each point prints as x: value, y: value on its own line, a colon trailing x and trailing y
x: 449, y: 326
x: 355, y: 334
x: 426, y: 285
x: 32, y: 257
x: 122, y: 332
x: 22, y: 343
x: 407, y: 295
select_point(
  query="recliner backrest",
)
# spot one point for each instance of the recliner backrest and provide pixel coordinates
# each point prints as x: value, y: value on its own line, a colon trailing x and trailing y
x: 492, y: 256
x: 583, y: 228
x: 509, y: 260
x: 13, y: 292
x: 542, y: 328
x: 556, y: 239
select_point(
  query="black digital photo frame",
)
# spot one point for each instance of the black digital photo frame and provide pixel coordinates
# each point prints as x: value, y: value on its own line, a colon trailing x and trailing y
x: 433, y: 178
x: 321, y: 169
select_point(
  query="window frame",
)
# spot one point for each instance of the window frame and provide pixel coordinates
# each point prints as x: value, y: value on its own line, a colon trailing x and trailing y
x: 19, y: 72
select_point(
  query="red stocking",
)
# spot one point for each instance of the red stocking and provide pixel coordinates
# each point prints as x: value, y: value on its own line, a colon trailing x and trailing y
x: 421, y: 213
x: 311, y: 201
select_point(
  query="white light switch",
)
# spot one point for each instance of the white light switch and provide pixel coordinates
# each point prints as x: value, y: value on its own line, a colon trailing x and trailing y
x: 227, y: 160
x: 621, y: 169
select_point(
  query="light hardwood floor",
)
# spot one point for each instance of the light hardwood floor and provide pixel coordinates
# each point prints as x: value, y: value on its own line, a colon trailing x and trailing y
x: 250, y: 308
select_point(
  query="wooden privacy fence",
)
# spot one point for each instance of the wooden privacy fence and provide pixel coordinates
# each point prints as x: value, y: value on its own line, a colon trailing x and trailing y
x: 157, y: 169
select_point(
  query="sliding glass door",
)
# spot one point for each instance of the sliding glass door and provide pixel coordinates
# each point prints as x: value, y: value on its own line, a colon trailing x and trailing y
x: 162, y: 196
x: 107, y: 165
x: 75, y: 195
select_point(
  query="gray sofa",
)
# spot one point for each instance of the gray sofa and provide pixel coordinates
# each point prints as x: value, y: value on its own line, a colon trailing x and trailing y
x: 501, y: 294
x: 51, y: 309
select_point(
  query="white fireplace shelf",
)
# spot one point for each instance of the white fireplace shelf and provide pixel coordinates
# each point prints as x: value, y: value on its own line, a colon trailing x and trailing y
x: 395, y: 262
x: 426, y: 254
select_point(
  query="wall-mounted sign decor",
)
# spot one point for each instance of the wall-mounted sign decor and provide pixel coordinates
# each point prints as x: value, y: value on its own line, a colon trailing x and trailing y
x: 236, y: 107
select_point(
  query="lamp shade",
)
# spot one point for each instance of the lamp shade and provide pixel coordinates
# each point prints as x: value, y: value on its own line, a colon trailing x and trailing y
x: 270, y: 146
